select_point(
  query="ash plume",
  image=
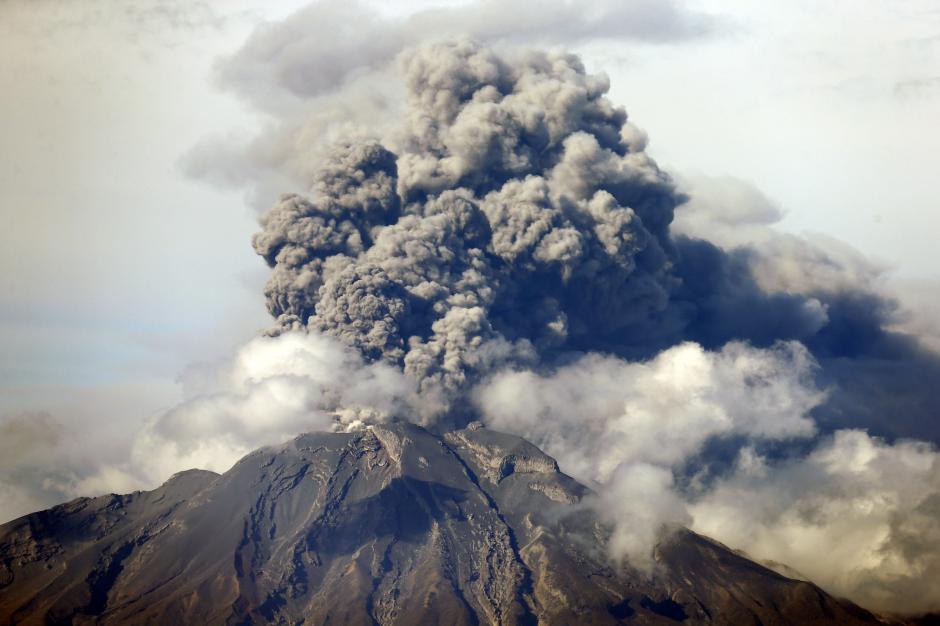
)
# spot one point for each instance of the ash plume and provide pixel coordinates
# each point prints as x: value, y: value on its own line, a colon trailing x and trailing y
x: 517, y: 221
x: 520, y: 220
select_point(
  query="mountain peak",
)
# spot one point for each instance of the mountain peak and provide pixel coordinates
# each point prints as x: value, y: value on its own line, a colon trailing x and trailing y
x: 391, y: 525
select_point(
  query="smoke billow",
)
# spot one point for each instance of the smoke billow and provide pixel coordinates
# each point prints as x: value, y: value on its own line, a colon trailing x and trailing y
x: 521, y: 220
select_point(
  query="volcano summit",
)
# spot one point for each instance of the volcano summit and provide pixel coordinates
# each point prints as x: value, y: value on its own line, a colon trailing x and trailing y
x: 391, y: 525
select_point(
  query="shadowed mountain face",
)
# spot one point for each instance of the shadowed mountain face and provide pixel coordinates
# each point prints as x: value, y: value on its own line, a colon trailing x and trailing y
x: 392, y: 525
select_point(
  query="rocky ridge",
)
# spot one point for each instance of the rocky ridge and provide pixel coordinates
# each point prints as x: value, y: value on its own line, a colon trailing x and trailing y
x: 390, y: 525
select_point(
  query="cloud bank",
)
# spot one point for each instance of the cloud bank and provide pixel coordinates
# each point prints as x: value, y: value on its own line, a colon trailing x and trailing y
x: 858, y: 516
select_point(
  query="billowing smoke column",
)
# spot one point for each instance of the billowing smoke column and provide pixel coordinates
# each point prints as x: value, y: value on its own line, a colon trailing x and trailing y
x: 521, y: 219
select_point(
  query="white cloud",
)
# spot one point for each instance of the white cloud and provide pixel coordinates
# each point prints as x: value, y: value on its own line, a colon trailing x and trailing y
x: 640, y: 503
x: 858, y: 516
x: 602, y: 411
x: 624, y: 426
x: 268, y: 391
x: 272, y: 389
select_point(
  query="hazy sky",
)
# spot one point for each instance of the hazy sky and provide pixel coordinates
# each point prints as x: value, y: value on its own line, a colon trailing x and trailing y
x: 118, y: 270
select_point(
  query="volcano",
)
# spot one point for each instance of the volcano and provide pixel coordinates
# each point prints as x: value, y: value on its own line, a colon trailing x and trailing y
x: 393, y: 524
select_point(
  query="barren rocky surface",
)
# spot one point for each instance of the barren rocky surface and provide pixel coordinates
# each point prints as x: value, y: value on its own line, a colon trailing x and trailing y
x: 392, y: 525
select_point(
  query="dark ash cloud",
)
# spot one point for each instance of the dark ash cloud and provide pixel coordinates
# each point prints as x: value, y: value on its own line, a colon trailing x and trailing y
x: 520, y: 220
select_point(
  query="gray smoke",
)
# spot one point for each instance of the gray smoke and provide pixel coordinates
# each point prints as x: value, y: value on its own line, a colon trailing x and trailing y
x: 522, y: 219
x: 304, y: 71
x: 520, y: 222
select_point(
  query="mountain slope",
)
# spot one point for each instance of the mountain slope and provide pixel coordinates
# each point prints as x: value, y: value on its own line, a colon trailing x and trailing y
x: 392, y: 525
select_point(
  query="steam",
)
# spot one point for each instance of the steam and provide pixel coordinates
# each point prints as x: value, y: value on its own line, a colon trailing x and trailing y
x: 627, y: 426
x: 270, y: 390
x: 870, y: 507
x: 599, y: 412
x: 634, y: 429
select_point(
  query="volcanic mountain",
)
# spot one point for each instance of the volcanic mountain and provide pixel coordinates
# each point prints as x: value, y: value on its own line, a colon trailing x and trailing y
x: 389, y: 525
